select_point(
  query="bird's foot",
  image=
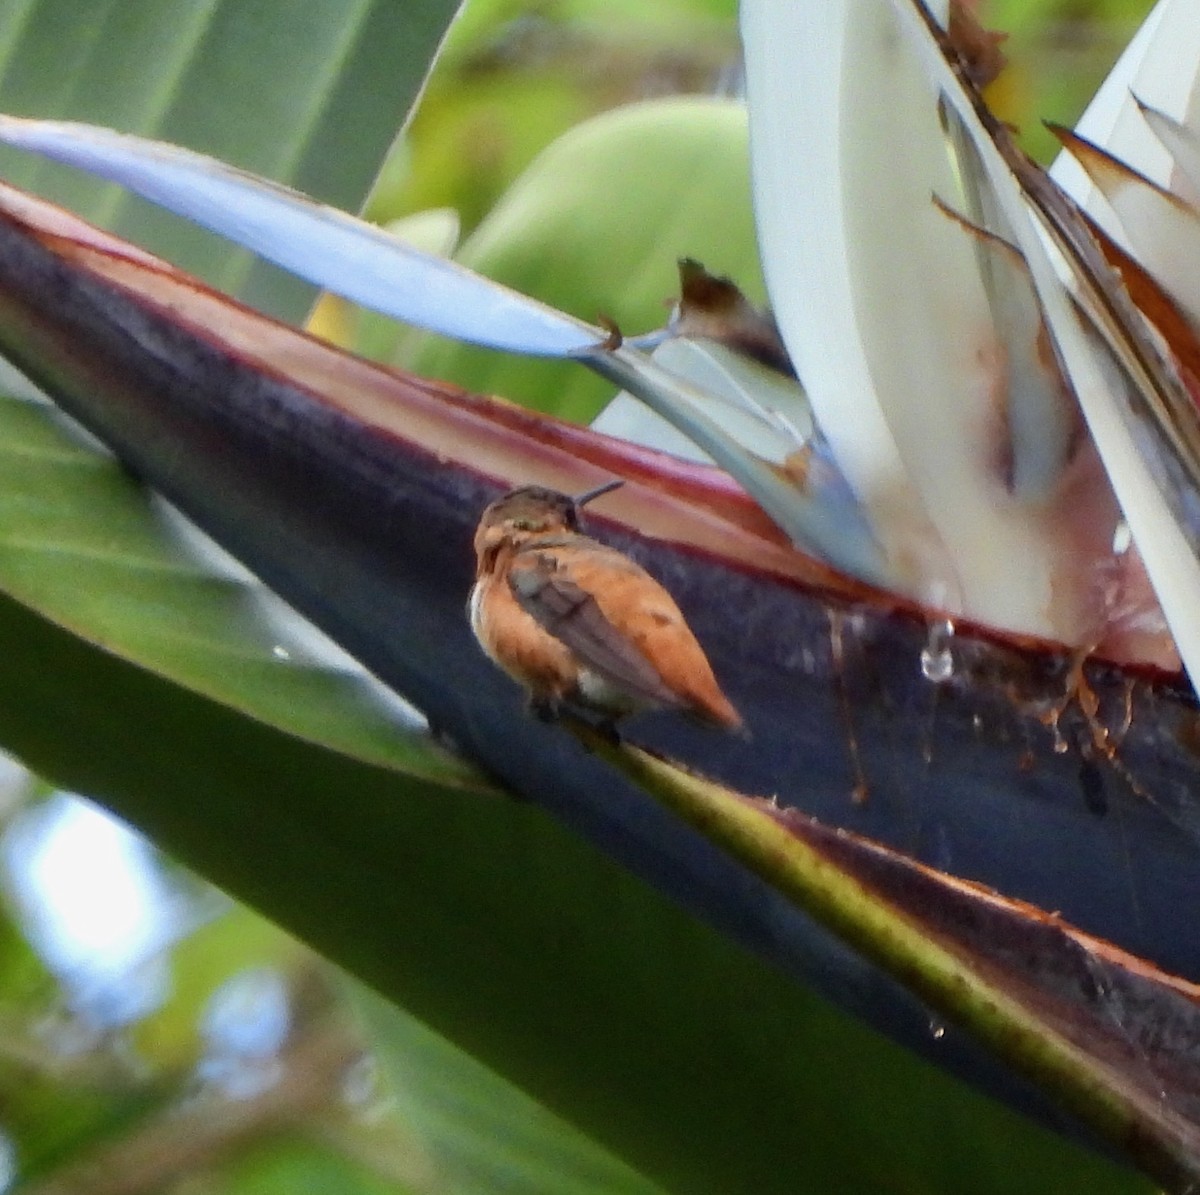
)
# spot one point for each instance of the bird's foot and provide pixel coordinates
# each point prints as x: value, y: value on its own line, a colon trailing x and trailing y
x: 545, y: 709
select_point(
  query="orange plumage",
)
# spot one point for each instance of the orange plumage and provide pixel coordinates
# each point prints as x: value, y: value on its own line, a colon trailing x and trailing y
x: 577, y: 622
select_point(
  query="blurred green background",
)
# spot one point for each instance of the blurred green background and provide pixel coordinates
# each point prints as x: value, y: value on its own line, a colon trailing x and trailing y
x: 155, y: 1037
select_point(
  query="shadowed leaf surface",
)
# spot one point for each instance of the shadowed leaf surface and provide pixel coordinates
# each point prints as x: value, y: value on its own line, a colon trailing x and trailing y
x: 85, y: 545
x: 1115, y: 1038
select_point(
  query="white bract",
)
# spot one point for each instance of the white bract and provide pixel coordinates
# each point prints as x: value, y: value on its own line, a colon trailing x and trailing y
x: 921, y: 351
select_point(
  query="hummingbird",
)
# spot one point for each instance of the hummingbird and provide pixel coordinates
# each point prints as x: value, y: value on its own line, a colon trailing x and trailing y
x: 579, y: 623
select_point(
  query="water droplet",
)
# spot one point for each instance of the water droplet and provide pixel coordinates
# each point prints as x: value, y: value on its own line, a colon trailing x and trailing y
x: 855, y: 621
x: 937, y: 662
x: 937, y: 1029
x: 937, y: 666
x: 361, y: 1084
x: 280, y: 652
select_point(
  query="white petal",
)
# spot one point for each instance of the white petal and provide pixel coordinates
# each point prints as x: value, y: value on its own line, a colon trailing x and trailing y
x: 1161, y: 230
x: 1106, y: 390
x: 880, y: 302
x: 794, y: 91
x: 334, y: 250
x: 1161, y: 66
x: 761, y: 409
x: 1181, y: 140
x: 826, y: 523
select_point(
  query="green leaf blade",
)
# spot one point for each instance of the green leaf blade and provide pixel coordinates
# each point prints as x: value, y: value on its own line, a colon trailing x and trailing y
x: 83, y: 544
x: 311, y: 95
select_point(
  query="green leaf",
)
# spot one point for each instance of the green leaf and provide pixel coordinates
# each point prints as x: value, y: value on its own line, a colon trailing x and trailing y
x: 84, y: 544
x: 291, y: 1165
x: 697, y: 1062
x: 309, y: 93
x: 596, y: 225
x: 704, y: 1067
x: 1111, y: 1035
x: 484, y: 1134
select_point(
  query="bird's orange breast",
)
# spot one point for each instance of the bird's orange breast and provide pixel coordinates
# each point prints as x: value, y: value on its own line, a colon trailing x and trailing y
x: 515, y: 641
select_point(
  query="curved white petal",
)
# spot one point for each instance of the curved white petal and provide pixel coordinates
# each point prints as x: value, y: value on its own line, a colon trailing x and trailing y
x: 826, y: 523
x: 1109, y: 376
x: 879, y: 298
x: 1182, y: 140
x: 1161, y: 230
x: 794, y: 67
x: 762, y: 410
x: 1146, y: 116
x: 1161, y: 67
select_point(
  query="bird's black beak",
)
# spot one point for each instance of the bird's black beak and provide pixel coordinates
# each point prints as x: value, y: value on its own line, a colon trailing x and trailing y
x: 588, y: 495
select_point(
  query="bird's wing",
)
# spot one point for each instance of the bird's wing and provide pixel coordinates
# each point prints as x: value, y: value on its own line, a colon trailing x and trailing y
x: 574, y: 617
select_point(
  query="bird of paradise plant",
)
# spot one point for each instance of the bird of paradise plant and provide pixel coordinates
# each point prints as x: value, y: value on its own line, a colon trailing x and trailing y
x: 945, y: 573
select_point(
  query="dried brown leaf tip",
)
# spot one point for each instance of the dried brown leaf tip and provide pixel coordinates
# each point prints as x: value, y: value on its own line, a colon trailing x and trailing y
x: 615, y: 337
x: 978, y: 48
x: 713, y: 308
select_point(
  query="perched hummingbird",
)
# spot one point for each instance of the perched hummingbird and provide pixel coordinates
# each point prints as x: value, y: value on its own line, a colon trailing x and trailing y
x: 578, y: 623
